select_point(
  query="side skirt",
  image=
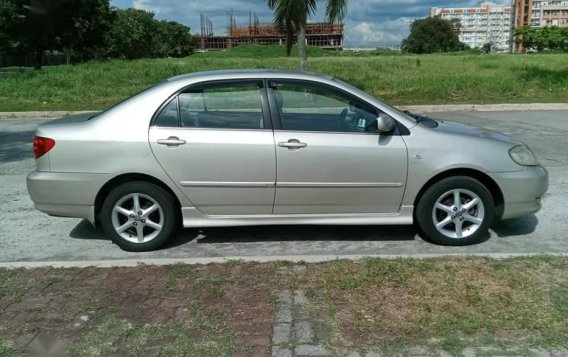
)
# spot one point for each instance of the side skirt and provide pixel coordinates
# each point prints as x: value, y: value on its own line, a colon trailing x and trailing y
x: 192, y: 217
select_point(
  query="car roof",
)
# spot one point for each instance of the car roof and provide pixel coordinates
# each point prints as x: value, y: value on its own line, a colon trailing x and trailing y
x: 250, y: 73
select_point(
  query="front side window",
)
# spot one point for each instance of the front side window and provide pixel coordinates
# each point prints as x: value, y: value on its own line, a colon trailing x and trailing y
x: 235, y: 105
x: 313, y: 107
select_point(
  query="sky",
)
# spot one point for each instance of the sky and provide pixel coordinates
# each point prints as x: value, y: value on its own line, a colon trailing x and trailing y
x: 367, y: 22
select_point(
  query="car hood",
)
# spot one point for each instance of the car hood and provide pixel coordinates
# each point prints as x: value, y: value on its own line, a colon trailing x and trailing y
x: 473, y: 131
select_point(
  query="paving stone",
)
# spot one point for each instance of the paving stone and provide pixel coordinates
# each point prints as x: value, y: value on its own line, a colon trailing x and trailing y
x: 469, y: 352
x: 540, y: 352
x: 353, y: 354
x: 284, y: 314
x: 278, y: 351
x: 311, y: 350
x: 301, y: 306
x: 281, y: 334
x: 285, y: 297
x: 303, y: 332
x: 300, y: 298
x: 372, y: 354
x: 416, y: 351
x: 559, y: 352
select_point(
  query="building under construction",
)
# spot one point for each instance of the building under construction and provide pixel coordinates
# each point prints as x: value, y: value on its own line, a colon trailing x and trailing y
x: 319, y: 34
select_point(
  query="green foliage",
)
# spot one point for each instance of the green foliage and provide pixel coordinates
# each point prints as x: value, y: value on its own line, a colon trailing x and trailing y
x: 87, y: 29
x: 543, y: 38
x: 132, y: 34
x: 76, y: 26
x: 446, y: 78
x: 433, y: 34
x: 137, y: 34
x: 172, y: 39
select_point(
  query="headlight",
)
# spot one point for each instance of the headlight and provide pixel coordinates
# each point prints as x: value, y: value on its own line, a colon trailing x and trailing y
x: 522, y: 155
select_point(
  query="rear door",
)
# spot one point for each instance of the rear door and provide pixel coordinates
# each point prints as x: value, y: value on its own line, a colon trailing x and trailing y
x: 330, y: 157
x: 215, y: 141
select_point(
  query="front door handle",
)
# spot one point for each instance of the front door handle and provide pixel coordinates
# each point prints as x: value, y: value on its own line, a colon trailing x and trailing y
x: 171, y: 141
x: 292, y: 144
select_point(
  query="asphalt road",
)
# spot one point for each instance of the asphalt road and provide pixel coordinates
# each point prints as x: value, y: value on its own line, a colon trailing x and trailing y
x: 31, y: 236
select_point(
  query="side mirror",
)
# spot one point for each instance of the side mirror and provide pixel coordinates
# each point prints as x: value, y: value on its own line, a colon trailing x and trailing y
x: 385, y: 124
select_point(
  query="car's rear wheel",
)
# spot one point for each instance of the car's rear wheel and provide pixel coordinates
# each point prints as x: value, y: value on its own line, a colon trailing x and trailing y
x: 456, y: 211
x: 139, y: 216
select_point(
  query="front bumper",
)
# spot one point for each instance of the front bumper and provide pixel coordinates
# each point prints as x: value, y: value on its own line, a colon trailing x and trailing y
x: 65, y: 194
x: 523, y: 191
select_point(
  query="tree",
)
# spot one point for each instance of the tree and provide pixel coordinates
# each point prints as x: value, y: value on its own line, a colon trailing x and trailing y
x: 92, y: 19
x: 172, y: 39
x: 132, y: 34
x: 137, y: 34
x: 40, y: 25
x: 433, y: 34
x: 291, y: 17
x: 543, y: 38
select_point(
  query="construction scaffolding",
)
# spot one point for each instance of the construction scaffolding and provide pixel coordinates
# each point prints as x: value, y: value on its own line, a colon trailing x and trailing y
x: 319, y: 34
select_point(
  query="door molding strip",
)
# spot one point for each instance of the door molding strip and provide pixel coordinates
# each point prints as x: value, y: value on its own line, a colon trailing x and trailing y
x: 227, y: 184
x: 241, y: 184
x: 337, y: 184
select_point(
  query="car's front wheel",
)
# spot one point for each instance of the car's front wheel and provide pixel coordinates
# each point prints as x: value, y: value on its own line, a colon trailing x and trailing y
x: 456, y: 211
x: 139, y: 216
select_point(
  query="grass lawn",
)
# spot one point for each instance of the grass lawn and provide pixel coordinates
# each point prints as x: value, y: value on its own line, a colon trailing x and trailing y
x: 229, y: 309
x: 396, y: 78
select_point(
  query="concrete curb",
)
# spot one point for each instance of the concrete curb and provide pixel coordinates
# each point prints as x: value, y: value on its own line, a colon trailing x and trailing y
x: 484, y: 107
x: 41, y: 115
x: 412, y: 108
x: 261, y: 259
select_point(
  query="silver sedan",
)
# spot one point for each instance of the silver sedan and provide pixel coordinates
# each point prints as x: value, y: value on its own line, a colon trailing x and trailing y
x: 260, y: 147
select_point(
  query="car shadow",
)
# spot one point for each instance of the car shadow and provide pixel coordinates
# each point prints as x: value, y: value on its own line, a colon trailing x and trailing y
x: 84, y: 230
x: 302, y: 233
x: 298, y: 233
x: 515, y: 226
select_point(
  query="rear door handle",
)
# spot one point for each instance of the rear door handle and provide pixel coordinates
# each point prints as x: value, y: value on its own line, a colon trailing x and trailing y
x: 292, y: 144
x: 171, y: 141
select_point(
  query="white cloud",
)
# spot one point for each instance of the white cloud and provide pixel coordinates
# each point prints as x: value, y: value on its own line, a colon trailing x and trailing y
x: 382, y: 32
x: 148, y: 5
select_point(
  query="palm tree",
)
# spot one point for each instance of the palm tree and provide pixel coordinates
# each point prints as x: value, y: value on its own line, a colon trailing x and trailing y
x: 291, y: 17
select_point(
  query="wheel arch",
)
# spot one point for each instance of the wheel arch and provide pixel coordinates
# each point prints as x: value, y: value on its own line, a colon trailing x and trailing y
x: 480, y: 176
x: 124, y: 178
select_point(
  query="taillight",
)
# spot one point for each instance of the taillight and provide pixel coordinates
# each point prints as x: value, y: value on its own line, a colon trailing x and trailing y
x: 42, y: 146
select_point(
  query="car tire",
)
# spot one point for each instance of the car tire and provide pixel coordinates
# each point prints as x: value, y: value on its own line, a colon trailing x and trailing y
x: 139, y: 216
x: 447, y: 223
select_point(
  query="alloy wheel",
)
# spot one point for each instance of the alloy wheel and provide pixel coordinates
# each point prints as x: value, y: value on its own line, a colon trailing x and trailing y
x: 458, y: 213
x: 137, y: 218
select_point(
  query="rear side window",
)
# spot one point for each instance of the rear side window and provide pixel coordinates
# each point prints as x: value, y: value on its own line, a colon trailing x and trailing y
x: 235, y: 105
x: 168, y: 117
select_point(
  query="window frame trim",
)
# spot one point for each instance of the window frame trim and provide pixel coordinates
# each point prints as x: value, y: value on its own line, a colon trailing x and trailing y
x: 277, y: 121
x: 265, y: 111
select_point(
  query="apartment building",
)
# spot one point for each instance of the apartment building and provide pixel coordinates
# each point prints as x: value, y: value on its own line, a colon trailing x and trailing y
x: 488, y: 23
x: 540, y: 13
x: 549, y: 13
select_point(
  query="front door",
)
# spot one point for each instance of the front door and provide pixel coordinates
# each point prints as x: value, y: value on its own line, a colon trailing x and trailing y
x: 215, y: 142
x: 330, y: 157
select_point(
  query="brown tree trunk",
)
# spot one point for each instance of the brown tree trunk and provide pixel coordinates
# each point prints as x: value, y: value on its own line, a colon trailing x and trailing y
x: 302, y: 48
